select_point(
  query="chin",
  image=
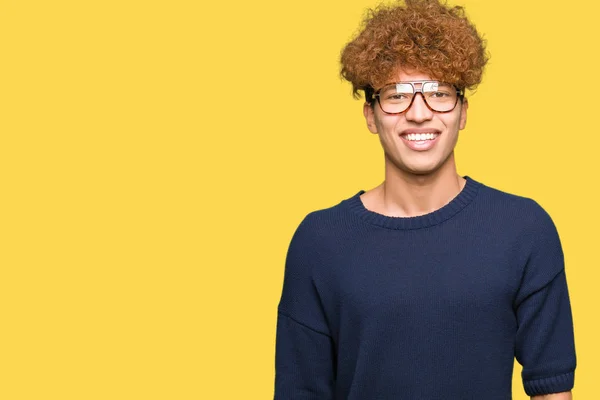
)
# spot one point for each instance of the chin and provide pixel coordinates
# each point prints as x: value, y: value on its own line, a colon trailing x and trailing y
x: 421, y: 169
x: 421, y: 172
x: 416, y: 166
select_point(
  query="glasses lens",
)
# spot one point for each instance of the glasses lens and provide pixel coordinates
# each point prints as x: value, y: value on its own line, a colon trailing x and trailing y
x: 440, y: 96
x: 397, y: 98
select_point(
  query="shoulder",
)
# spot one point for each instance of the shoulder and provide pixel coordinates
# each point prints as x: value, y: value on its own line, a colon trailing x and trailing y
x: 321, y: 231
x: 322, y: 222
x: 311, y: 243
x: 531, y: 232
x: 527, y: 226
x: 519, y: 211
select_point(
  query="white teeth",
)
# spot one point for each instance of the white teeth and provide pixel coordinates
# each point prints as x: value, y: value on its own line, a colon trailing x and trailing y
x: 421, y: 136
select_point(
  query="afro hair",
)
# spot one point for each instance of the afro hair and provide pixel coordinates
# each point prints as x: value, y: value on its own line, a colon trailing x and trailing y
x: 421, y: 35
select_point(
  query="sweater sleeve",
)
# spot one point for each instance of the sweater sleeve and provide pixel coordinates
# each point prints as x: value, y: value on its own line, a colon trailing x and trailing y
x: 545, y: 344
x: 304, y: 351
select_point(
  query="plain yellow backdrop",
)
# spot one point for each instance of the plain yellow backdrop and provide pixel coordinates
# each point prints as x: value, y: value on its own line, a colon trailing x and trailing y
x: 156, y: 157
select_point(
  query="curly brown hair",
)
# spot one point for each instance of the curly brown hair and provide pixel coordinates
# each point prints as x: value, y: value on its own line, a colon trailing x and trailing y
x: 420, y: 35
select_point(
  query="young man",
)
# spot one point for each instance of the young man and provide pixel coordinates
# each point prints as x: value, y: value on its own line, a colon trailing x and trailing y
x: 429, y: 285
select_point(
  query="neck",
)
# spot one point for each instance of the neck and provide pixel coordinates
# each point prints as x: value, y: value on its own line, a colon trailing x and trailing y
x: 404, y: 194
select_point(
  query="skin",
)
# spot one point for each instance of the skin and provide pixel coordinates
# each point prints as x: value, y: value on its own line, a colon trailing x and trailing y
x: 554, y: 396
x: 418, y: 183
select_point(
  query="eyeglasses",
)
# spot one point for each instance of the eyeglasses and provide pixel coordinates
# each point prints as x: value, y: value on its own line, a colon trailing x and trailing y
x: 396, y: 98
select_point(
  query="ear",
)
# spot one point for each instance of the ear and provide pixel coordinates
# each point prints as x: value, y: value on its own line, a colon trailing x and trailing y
x: 369, y: 114
x: 463, y: 113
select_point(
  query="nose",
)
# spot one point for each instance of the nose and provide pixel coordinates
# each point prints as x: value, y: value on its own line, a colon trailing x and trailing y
x: 418, y: 110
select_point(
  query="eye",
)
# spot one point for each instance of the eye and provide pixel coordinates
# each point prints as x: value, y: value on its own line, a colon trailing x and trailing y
x: 439, y: 94
x: 395, y: 97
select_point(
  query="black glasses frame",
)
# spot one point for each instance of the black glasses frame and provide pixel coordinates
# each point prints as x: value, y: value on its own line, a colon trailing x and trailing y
x: 460, y: 93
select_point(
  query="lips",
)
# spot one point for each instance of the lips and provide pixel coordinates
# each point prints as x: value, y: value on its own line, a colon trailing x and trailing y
x: 420, y: 139
x: 415, y: 137
x: 419, y: 130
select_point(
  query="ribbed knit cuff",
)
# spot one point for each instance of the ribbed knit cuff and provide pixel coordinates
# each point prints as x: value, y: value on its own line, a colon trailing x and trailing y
x: 553, y: 384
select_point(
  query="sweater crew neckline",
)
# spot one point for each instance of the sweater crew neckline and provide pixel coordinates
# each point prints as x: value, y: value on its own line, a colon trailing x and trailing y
x: 460, y: 201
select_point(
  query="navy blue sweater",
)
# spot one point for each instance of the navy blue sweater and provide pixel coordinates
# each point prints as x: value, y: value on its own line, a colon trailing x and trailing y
x: 432, y: 307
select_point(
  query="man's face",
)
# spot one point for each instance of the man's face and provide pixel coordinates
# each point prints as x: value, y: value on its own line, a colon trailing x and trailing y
x: 395, y: 132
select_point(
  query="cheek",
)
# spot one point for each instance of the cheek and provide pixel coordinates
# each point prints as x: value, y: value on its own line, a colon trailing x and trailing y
x: 452, y: 123
x: 387, y: 125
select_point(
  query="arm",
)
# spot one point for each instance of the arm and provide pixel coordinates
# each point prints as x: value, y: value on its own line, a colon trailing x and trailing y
x: 554, y: 396
x: 304, y: 350
x: 544, y: 343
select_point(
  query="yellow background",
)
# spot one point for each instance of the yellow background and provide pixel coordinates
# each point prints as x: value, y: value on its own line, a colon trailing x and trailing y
x: 156, y: 157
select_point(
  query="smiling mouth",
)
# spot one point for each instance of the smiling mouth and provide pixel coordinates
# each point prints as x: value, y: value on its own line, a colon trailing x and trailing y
x: 420, y: 137
x: 420, y: 141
